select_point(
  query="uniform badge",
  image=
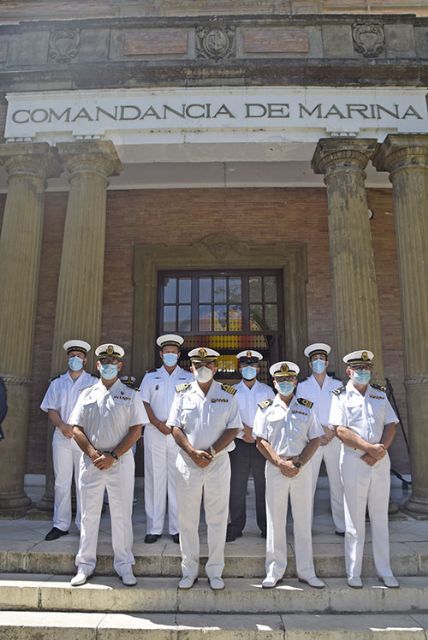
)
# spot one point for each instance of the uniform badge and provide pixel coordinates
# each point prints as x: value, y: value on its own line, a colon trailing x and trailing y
x: 364, y: 356
x: 284, y: 368
x: 229, y: 389
x: 110, y: 350
x: 202, y: 353
x: 305, y: 403
x: 265, y: 403
x: 182, y: 387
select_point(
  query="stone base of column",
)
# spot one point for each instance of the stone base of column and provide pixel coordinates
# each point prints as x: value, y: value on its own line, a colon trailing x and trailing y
x: 14, y: 505
x: 417, y: 407
x: 418, y: 509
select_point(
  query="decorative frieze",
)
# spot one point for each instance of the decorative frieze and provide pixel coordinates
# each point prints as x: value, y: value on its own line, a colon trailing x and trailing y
x: 64, y: 45
x: 276, y: 40
x: 155, y: 42
x: 215, y: 41
x: 369, y: 39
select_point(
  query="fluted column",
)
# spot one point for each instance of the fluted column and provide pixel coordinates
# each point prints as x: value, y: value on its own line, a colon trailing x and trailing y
x: 81, y: 276
x: 28, y: 166
x: 406, y: 158
x: 355, y: 295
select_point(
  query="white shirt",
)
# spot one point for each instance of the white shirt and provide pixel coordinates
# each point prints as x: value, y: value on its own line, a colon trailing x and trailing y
x: 248, y: 400
x: 287, y: 429
x: 158, y: 389
x: 63, y: 393
x: 366, y: 415
x: 106, y: 415
x: 204, y: 418
x: 320, y: 396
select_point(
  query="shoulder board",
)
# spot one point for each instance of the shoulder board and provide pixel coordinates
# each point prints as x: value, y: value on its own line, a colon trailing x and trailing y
x: 339, y: 390
x: 337, y: 379
x: 265, y: 404
x: 55, y: 378
x: 229, y: 389
x: 379, y: 387
x: 305, y: 403
x: 182, y: 387
x: 151, y: 370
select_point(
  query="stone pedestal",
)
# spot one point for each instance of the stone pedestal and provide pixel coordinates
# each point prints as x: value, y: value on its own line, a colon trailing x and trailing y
x: 355, y: 295
x: 81, y: 277
x: 28, y: 166
x: 406, y: 158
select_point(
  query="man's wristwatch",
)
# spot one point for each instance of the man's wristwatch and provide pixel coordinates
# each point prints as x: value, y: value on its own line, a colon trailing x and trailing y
x: 114, y: 455
x: 297, y: 463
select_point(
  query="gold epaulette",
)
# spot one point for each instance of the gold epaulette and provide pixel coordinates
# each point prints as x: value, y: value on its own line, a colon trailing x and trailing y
x: 379, y: 387
x: 229, y: 389
x: 182, y: 387
x: 305, y: 403
x: 265, y: 403
x: 339, y: 390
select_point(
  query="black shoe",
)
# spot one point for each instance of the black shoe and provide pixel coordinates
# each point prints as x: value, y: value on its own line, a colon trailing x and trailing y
x: 232, y: 535
x: 152, y: 537
x: 263, y: 534
x: 340, y: 533
x: 176, y: 538
x: 55, y: 533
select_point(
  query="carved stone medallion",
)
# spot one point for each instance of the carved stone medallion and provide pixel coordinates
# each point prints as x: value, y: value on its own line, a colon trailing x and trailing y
x: 215, y: 41
x: 64, y: 45
x: 369, y: 39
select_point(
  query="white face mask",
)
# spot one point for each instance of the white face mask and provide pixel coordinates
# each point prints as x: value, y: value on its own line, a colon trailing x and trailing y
x: 203, y: 374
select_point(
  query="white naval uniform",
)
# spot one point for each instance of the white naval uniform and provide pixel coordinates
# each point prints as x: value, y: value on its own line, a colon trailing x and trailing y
x: 160, y: 451
x: 321, y: 397
x: 106, y: 415
x: 364, y: 486
x: 203, y: 418
x: 248, y: 399
x: 288, y: 430
x: 61, y: 396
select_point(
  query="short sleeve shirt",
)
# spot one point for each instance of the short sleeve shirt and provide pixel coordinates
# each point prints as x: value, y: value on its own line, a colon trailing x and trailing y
x: 288, y: 429
x: 248, y: 399
x: 63, y: 393
x: 366, y: 415
x: 204, y: 418
x: 158, y: 389
x: 320, y: 395
x: 106, y: 415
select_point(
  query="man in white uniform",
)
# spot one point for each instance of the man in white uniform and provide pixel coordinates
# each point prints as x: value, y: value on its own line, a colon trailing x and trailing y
x: 107, y: 422
x: 366, y: 424
x: 288, y: 434
x: 59, y: 401
x: 205, y: 420
x: 318, y: 388
x: 160, y: 450
x: 246, y: 458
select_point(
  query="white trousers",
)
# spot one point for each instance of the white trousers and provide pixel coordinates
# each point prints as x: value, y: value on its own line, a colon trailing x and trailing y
x: 278, y: 488
x: 330, y: 453
x: 119, y: 483
x: 160, y: 454
x: 213, y: 483
x: 366, y: 487
x: 66, y: 455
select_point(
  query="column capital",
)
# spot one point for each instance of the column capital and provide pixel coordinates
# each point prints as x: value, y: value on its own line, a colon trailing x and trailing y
x: 342, y: 154
x: 402, y: 151
x: 32, y: 159
x: 90, y: 156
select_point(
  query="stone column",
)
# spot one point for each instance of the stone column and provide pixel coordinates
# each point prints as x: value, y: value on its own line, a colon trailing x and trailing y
x: 406, y: 158
x: 28, y: 166
x: 81, y: 276
x: 355, y: 295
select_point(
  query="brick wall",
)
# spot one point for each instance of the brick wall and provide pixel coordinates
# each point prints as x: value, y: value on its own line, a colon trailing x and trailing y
x: 179, y: 217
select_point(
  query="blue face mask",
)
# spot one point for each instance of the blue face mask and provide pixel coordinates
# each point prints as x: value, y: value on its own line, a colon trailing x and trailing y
x: 170, y: 359
x: 361, y: 377
x: 248, y: 373
x: 318, y: 366
x: 285, y: 388
x: 75, y: 363
x: 108, y: 371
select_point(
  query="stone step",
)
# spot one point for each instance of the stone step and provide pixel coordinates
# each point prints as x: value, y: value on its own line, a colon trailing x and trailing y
x: 242, y: 559
x: 241, y: 596
x: 18, y: 625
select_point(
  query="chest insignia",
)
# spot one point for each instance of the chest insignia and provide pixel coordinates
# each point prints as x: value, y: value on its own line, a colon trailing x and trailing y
x: 265, y: 403
x: 229, y: 389
x: 302, y: 413
x: 376, y: 397
x: 182, y: 387
x: 219, y: 400
x: 305, y: 403
x: 121, y: 397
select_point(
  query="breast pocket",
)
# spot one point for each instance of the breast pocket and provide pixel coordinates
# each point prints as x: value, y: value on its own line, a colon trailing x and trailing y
x: 298, y: 429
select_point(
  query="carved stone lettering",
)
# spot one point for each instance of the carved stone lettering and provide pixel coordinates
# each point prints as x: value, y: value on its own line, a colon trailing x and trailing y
x: 64, y: 45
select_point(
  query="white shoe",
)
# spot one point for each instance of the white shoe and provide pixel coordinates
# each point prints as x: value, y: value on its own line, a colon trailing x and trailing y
x: 390, y: 581
x: 128, y: 579
x: 187, y: 582
x: 269, y: 582
x: 80, y: 578
x: 314, y: 582
x: 355, y: 583
x: 216, y: 583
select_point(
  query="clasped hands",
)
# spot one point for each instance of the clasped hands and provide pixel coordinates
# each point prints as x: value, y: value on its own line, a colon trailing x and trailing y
x: 102, y: 460
x: 375, y: 453
x: 287, y: 467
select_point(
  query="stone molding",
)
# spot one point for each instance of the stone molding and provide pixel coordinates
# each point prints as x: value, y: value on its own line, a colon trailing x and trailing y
x: 90, y: 156
x: 64, y: 45
x: 369, y: 38
x: 402, y: 151
x: 16, y: 380
x: 336, y: 155
x: 32, y: 159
